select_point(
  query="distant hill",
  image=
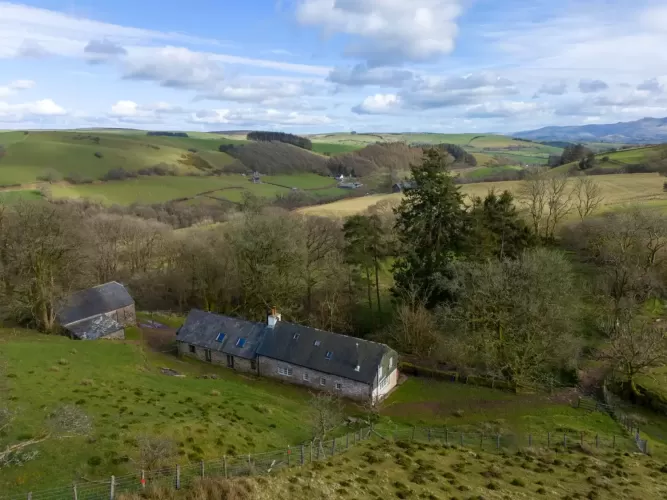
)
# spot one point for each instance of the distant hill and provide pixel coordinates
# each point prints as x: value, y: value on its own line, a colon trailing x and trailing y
x: 644, y: 131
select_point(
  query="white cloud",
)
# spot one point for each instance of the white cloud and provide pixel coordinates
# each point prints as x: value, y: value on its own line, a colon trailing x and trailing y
x: 98, y: 51
x: 174, y: 67
x: 591, y: 86
x: 259, y: 90
x: 388, y: 31
x: 504, y: 109
x: 361, y: 75
x: 552, y: 88
x: 379, y: 104
x: 652, y: 85
x: 130, y: 111
x: 16, y: 86
x: 29, y: 110
x: 252, y: 116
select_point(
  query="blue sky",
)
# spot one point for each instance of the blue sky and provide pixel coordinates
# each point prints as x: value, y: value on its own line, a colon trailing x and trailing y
x: 331, y: 65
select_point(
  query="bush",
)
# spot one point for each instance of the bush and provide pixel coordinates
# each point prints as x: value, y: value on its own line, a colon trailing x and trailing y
x: 167, y: 134
x: 94, y: 461
x: 118, y: 174
x: 78, y: 179
x: 98, y: 155
x: 50, y: 176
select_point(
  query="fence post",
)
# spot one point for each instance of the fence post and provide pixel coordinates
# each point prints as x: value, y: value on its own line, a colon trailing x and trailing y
x: 481, y: 440
x: 413, y: 432
x: 548, y: 440
x: 76, y: 495
x: 224, y: 465
x: 530, y: 440
x: 289, y: 456
x: 461, y: 436
x: 201, y: 468
x: 565, y: 440
x: 249, y: 463
x: 333, y: 447
x: 578, y: 402
x: 347, y: 440
x: 112, y: 489
x: 302, y: 454
x: 30, y: 495
x: 311, y: 452
x: 143, y: 479
x: 581, y: 439
x: 178, y: 477
x: 446, y: 435
x: 429, y: 434
x: 597, y: 440
x: 498, y: 442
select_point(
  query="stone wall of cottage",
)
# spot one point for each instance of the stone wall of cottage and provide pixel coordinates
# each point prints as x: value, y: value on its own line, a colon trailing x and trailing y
x: 217, y: 358
x: 269, y: 367
x: 126, y: 316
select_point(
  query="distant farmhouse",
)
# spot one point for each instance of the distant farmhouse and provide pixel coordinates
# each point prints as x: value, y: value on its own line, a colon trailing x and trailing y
x: 301, y: 355
x: 99, y: 312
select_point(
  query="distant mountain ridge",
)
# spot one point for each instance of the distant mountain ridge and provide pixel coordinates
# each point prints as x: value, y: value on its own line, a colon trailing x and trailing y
x: 644, y: 131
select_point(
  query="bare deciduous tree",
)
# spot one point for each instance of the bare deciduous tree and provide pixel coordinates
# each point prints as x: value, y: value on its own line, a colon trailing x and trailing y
x: 559, y: 203
x: 533, y: 194
x: 635, y: 346
x: 155, y: 452
x: 414, y: 330
x: 587, y: 196
x: 326, y: 414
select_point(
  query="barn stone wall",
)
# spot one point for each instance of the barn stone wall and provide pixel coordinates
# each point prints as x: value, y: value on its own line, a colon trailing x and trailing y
x: 217, y: 358
x: 119, y: 335
x: 126, y: 316
x: 269, y: 367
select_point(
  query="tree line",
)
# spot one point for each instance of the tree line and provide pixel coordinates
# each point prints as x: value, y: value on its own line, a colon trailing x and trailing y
x: 295, y: 140
x: 490, y: 285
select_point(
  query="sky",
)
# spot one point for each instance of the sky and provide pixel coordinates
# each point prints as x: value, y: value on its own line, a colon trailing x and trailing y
x: 315, y: 66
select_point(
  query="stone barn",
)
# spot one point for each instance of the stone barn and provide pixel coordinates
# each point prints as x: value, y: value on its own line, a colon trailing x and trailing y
x: 99, y: 312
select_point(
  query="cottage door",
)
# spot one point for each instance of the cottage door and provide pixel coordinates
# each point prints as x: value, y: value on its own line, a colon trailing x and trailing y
x: 208, y: 355
x: 230, y: 361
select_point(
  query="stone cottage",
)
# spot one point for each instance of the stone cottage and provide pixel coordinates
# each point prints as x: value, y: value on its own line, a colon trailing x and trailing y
x: 99, y: 312
x: 355, y: 368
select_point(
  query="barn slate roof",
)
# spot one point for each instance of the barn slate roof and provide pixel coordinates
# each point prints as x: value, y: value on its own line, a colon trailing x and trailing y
x: 295, y: 344
x: 94, y: 328
x: 298, y: 345
x: 94, y: 301
x: 202, y: 328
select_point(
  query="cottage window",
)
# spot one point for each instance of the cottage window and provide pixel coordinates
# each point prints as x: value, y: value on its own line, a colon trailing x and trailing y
x: 383, y: 383
x: 253, y: 364
x: 296, y: 336
x: 220, y: 337
x: 380, y: 372
x: 306, y: 377
x: 329, y: 355
x: 317, y: 343
x: 391, y: 362
x: 240, y: 342
x: 285, y: 371
x: 192, y: 348
x: 339, y: 386
x: 357, y: 368
x: 323, y: 381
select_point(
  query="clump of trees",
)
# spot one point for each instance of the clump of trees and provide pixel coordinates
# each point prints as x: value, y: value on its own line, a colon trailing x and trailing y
x: 295, y: 140
x: 574, y: 153
x: 459, y: 154
x: 271, y: 158
x: 167, y: 134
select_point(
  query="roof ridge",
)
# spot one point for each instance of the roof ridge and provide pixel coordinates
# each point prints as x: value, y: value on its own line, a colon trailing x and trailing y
x: 336, y: 333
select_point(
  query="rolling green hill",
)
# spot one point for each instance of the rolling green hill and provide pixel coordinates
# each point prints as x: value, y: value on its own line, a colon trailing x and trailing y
x: 615, y: 161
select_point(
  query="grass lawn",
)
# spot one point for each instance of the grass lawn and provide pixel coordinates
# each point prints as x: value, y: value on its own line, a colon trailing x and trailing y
x: 157, y: 189
x: 425, y: 402
x: 619, y: 191
x: 20, y: 194
x: 476, y: 173
x: 120, y: 386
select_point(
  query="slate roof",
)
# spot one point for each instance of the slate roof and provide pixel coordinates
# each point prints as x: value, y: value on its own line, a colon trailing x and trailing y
x: 94, y: 328
x: 202, y: 328
x: 346, y: 352
x: 93, y: 301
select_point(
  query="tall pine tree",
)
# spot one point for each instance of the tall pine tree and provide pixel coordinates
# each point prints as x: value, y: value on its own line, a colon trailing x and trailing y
x: 432, y: 228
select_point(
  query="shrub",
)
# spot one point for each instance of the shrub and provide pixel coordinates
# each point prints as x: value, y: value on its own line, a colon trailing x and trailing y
x: 50, y: 176
x: 118, y: 174
x: 517, y: 482
x: 215, y: 393
x: 94, y: 461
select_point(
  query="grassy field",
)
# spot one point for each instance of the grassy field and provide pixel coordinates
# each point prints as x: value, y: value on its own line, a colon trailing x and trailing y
x: 619, y: 190
x: 616, y: 159
x: 19, y: 194
x: 334, y: 148
x: 120, y: 386
x: 380, y: 469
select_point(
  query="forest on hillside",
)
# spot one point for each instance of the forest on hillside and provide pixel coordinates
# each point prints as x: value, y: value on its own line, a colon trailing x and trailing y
x: 474, y: 287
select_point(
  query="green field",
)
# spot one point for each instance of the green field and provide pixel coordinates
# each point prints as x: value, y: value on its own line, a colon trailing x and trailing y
x: 333, y: 149
x: 479, y: 172
x: 14, y: 196
x: 616, y: 159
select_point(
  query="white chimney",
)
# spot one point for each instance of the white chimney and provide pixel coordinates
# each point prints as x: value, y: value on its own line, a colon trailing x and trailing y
x: 273, y: 318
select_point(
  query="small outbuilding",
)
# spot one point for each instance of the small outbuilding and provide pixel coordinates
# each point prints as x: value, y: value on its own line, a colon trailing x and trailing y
x: 99, y: 312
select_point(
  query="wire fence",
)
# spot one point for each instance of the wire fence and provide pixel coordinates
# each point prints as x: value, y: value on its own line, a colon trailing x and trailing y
x: 182, y: 476
x: 513, y: 442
